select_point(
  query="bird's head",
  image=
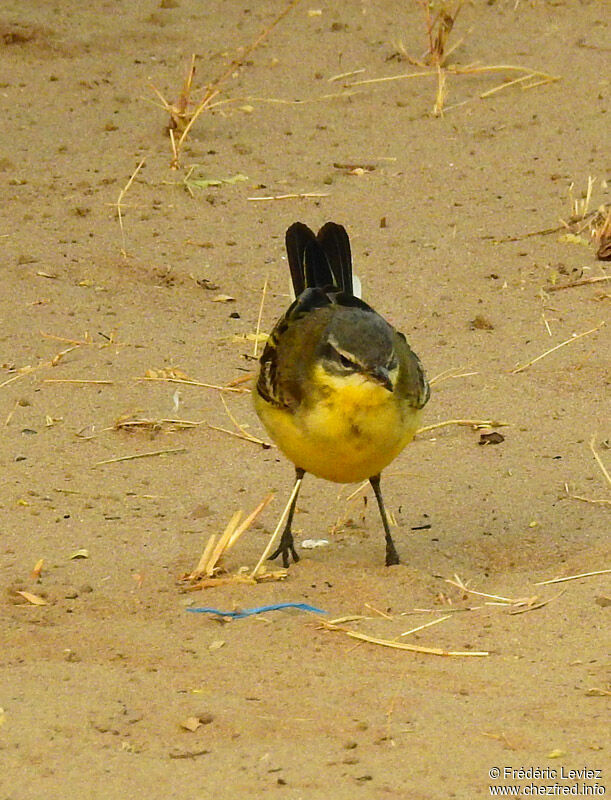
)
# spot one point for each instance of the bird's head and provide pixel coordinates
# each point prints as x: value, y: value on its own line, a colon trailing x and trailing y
x: 358, y: 347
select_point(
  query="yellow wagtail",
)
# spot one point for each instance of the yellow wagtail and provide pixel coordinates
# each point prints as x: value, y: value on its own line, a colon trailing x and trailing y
x: 339, y: 390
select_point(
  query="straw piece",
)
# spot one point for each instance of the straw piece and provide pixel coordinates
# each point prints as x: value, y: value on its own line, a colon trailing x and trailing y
x: 574, y: 577
x: 557, y: 347
x: 599, y: 461
x: 213, y: 90
x: 76, y: 380
x: 140, y: 455
x: 534, y: 606
x: 426, y: 625
x: 594, y: 501
x: 207, y: 572
x: 247, y: 522
x: 506, y: 85
x: 222, y: 543
x: 256, y: 345
x: 299, y: 196
x: 343, y: 75
x: 244, y: 437
x: 461, y: 585
x: 580, y: 282
x: 244, y: 433
x: 189, y: 382
x: 119, y: 204
x: 25, y: 371
x: 434, y: 651
x: 274, y: 536
x: 200, y: 569
x: 470, y: 423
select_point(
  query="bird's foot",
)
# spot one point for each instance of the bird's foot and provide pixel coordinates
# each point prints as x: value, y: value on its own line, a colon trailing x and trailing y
x: 392, y: 557
x: 286, y: 548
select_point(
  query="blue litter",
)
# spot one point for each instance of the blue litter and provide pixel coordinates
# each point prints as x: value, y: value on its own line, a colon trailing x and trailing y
x: 248, y: 612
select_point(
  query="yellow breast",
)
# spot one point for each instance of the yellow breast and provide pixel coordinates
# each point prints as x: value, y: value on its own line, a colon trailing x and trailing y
x: 347, y: 430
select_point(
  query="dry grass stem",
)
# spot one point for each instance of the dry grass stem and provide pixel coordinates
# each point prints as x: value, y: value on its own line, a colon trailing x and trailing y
x: 178, y: 111
x: 244, y: 437
x: 21, y: 374
x: 260, y: 315
x: 300, y: 196
x: 181, y: 118
x: 129, y: 423
x: 598, y: 691
x: 357, y: 491
x: 580, y: 206
x: 574, y: 577
x: 388, y: 78
x: 189, y: 382
x: 596, y: 221
x: 446, y: 374
x: 344, y: 75
x: 599, y: 460
x: 505, y: 85
x: 272, y: 539
x: 592, y: 500
x: 209, y: 571
x: 222, y: 545
x: 240, y: 380
x: 602, y: 233
x: 202, y: 566
x: 28, y: 369
x: 580, y: 282
x: 434, y: 651
x: 378, y: 611
x: 441, y: 94
x: 460, y: 584
x: 244, y: 433
x: 440, y: 70
x: 77, y: 380
x: 140, y: 455
x: 426, y: 625
x: 476, y: 424
x: 573, y: 338
x: 86, y: 341
x: 119, y: 205
x: 470, y: 70
x: 247, y: 522
x: 58, y: 356
x: 533, y: 605
x: 11, y: 413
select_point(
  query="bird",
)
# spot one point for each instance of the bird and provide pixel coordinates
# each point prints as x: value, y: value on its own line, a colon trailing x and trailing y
x: 339, y: 390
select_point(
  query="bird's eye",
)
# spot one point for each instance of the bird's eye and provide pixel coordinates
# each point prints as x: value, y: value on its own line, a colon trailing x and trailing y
x: 346, y: 362
x: 392, y: 364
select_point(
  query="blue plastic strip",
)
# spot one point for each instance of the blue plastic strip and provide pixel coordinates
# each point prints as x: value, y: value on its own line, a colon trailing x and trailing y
x: 248, y: 612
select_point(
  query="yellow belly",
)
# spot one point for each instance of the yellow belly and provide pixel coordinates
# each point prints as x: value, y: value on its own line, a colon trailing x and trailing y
x: 350, y: 432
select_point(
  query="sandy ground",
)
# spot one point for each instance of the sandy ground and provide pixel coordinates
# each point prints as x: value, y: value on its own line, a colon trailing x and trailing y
x: 96, y: 685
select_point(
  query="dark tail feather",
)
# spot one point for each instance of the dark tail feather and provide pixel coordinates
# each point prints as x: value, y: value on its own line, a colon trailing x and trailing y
x: 319, y: 261
x: 336, y: 244
x: 297, y: 237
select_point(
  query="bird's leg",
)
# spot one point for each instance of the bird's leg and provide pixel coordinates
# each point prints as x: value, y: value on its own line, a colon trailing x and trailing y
x: 392, y: 557
x: 287, y: 545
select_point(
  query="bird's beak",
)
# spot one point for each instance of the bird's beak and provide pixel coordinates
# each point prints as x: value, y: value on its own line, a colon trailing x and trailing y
x: 382, y: 376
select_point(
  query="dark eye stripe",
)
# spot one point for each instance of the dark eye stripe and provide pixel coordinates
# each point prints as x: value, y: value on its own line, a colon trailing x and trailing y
x: 346, y: 362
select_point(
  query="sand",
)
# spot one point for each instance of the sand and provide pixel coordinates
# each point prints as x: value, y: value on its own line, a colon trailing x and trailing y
x: 100, y: 685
